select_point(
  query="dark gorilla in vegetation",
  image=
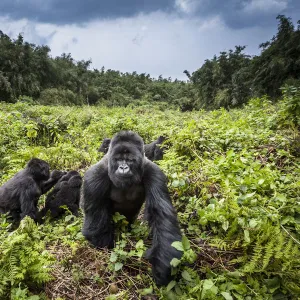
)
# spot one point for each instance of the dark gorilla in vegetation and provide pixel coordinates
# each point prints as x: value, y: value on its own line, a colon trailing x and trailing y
x: 104, y: 146
x: 152, y: 151
x: 66, y: 192
x: 121, y: 182
x: 19, y: 195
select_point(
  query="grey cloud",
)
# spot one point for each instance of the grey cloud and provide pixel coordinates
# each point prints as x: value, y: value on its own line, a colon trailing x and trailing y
x: 155, y: 43
x: 234, y: 13
x: 167, y: 41
x: 238, y: 14
x: 78, y: 11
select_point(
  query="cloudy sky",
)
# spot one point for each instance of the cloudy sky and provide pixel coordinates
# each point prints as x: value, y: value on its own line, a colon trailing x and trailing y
x: 152, y: 36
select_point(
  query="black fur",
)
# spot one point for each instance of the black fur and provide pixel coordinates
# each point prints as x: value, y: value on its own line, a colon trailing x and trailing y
x: 66, y: 192
x: 104, y: 146
x: 19, y: 195
x: 121, y: 182
x: 153, y: 151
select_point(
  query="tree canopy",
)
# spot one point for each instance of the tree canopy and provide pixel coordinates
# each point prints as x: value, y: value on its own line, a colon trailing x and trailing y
x: 227, y: 80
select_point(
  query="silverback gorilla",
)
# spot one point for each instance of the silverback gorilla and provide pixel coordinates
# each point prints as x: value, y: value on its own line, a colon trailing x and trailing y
x: 65, y: 192
x: 121, y: 182
x: 20, y: 194
x: 153, y: 151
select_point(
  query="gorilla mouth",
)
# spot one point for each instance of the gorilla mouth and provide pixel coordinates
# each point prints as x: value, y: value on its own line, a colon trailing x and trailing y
x: 124, y: 175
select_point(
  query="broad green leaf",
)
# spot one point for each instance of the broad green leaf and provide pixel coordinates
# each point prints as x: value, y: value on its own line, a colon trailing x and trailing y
x: 246, y: 236
x: 185, y: 243
x: 178, y: 245
x: 171, y: 285
x: 175, y: 183
x: 207, y: 284
x: 186, y: 275
x: 227, y: 296
x: 118, y: 266
x: 253, y: 223
x: 146, y: 291
x: 113, y: 257
x: 178, y: 290
x: 225, y: 225
x: 139, y: 244
x: 68, y: 218
x: 175, y: 262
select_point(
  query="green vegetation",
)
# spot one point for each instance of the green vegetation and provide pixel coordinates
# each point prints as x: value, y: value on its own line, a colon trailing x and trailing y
x: 234, y: 178
x: 228, y: 80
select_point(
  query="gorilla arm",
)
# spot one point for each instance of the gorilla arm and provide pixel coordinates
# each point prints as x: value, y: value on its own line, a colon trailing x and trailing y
x: 162, y: 220
x: 98, y: 227
x: 54, y: 177
x: 49, y: 200
x: 28, y: 200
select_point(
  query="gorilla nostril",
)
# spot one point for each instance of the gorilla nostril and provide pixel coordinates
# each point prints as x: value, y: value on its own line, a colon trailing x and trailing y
x: 124, y: 168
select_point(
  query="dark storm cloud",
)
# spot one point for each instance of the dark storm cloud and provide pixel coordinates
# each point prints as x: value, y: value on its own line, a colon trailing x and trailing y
x: 234, y: 13
x: 241, y: 13
x: 78, y: 11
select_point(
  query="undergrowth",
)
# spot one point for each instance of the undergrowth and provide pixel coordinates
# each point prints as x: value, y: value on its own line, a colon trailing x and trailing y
x: 234, y: 178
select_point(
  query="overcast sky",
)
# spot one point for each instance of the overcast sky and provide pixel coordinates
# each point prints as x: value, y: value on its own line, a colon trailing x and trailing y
x: 148, y: 36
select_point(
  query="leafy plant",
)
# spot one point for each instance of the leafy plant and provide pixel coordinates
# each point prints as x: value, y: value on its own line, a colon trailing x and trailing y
x: 24, y: 258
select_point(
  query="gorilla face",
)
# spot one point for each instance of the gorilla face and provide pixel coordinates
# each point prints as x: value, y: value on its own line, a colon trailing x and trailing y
x: 125, y: 165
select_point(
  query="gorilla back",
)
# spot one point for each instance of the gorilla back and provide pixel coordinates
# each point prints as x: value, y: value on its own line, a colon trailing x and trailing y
x: 20, y: 194
x: 121, y: 182
x: 66, y: 192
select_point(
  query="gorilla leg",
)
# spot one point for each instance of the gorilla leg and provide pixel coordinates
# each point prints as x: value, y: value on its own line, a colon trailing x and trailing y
x: 15, y: 216
x: 98, y: 227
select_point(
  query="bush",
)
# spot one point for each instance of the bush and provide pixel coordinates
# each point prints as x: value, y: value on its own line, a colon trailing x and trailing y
x: 55, y: 96
x: 290, y: 106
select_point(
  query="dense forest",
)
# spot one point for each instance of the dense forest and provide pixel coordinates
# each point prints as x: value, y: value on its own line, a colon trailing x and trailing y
x: 29, y: 73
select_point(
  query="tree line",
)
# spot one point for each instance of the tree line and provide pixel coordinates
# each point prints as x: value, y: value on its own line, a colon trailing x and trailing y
x: 29, y: 73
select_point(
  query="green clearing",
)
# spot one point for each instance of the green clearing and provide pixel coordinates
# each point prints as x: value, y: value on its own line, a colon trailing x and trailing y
x: 234, y: 178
